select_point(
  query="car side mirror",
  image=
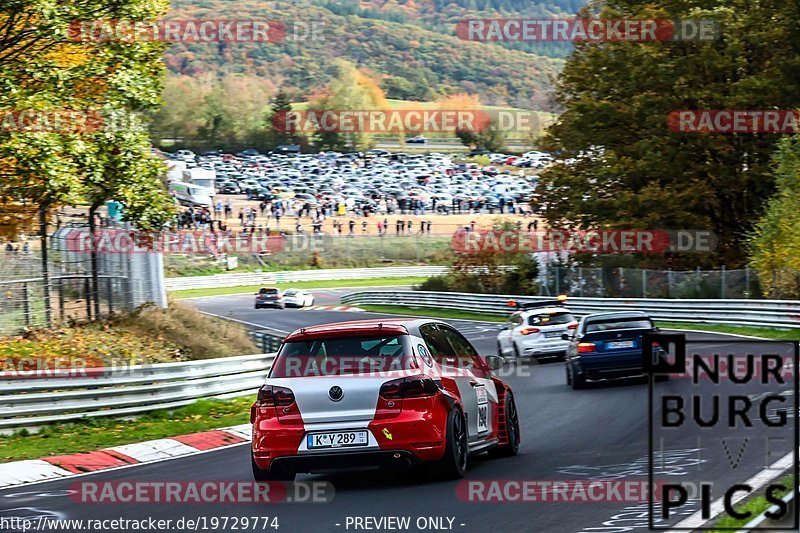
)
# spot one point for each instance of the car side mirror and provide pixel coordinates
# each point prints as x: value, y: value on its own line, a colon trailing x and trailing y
x: 656, y: 329
x: 566, y: 337
x: 495, y: 362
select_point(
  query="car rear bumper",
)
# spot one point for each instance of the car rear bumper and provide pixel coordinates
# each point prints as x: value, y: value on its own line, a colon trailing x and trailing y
x: 609, y: 366
x: 549, y: 347
x: 350, y: 460
x: 417, y: 436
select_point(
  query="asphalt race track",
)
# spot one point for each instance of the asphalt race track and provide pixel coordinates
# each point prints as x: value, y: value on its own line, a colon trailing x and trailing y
x: 599, y: 433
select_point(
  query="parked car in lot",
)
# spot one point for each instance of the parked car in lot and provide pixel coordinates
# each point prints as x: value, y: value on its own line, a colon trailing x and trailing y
x: 386, y: 393
x: 269, y: 297
x: 417, y: 140
x: 607, y: 346
x: 536, y: 330
x: 297, y: 298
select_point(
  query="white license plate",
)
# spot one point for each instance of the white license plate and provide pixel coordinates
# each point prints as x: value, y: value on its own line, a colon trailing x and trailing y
x: 339, y: 439
x: 551, y: 334
x: 616, y: 345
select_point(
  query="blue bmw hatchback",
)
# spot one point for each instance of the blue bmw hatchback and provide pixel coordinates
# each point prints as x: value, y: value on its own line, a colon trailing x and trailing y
x: 607, y: 346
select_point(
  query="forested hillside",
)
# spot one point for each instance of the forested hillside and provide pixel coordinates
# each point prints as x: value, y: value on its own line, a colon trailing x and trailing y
x: 409, y: 45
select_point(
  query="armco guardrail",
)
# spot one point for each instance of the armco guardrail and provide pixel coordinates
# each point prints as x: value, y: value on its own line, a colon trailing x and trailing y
x: 29, y: 402
x: 765, y: 313
x: 270, y: 278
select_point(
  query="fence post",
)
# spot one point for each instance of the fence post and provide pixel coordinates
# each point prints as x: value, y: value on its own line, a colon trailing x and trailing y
x: 669, y: 283
x: 110, y: 294
x: 580, y: 281
x: 88, y: 295
x: 644, y: 283
x: 722, y: 282
x: 61, y: 300
x: 558, y: 280
x: 26, y: 304
x: 747, y: 282
x: 621, y: 282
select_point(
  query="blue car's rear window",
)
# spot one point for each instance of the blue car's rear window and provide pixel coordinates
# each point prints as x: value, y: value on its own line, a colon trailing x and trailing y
x: 630, y: 323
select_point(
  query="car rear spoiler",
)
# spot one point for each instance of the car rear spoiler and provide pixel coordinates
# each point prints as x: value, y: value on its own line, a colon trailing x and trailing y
x: 560, y: 301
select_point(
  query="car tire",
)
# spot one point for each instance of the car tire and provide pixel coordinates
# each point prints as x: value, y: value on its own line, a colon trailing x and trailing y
x: 512, y: 429
x: 578, y: 381
x: 516, y: 351
x: 499, y: 349
x: 258, y: 307
x: 569, y: 375
x: 453, y: 465
x: 268, y: 475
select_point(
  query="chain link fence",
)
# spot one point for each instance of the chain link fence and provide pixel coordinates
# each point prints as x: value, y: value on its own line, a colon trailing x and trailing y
x: 123, y: 282
x: 644, y: 283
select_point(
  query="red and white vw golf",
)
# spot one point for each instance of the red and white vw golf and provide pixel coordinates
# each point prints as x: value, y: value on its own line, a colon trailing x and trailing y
x: 380, y: 393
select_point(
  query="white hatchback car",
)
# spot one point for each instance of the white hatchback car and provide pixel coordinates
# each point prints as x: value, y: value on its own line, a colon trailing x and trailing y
x: 536, y: 330
x: 297, y: 298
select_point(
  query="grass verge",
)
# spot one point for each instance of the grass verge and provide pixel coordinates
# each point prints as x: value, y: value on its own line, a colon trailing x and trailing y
x: 98, y: 433
x: 146, y: 335
x: 767, y: 333
x: 756, y: 506
x: 330, y: 284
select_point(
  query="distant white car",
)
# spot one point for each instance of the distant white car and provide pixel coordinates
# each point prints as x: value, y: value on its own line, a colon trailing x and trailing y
x: 536, y: 331
x: 297, y: 298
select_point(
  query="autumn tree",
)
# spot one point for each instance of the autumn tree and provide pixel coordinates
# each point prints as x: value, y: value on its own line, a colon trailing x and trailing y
x: 621, y: 165
x: 774, y: 244
x: 352, y: 89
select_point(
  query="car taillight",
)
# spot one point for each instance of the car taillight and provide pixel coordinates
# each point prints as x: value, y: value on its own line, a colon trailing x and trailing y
x: 414, y: 387
x: 529, y: 331
x: 573, y: 326
x: 586, y: 347
x: 271, y: 396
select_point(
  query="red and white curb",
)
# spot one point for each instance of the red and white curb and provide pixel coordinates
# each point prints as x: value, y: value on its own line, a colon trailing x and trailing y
x: 48, y: 468
x: 342, y: 308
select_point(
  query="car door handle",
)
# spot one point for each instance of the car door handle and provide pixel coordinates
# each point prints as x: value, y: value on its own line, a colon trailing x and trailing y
x: 473, y: 383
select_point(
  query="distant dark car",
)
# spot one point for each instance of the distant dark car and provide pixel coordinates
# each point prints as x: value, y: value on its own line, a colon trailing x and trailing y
x: 269, y: 297
x: 607, y: 346
x: 417, y: 140
x: 478, y: 151
x: 229, y: 188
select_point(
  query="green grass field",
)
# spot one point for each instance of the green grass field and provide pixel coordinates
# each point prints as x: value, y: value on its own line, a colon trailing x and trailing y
x: 221, y: 291
x: 98, y: 433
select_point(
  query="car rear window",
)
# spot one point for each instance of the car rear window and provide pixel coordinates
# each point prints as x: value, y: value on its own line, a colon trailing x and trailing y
x: 620, y: 323
x: 550, y: 319
x: 268, y: 291
x: 290, y: 293
x: 342, y: 356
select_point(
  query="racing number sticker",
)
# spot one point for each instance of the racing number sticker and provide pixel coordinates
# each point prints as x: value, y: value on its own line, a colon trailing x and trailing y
x: 483, y: 409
